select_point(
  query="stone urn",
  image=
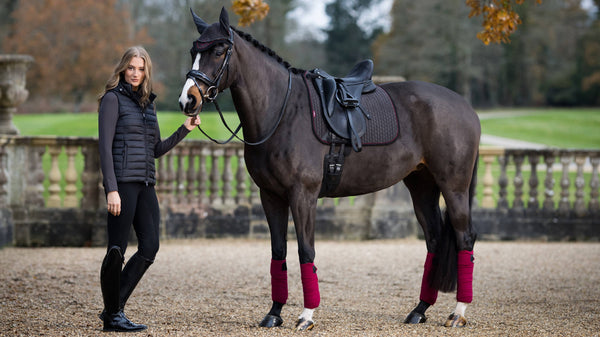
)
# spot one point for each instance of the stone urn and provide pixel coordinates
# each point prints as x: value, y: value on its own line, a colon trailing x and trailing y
x: 12, y: 89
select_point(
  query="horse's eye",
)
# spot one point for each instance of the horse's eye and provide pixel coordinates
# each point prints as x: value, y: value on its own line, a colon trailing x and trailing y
x: 219, y: 52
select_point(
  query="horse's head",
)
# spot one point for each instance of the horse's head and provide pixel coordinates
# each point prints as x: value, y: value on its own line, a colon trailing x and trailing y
x: 210, y: 60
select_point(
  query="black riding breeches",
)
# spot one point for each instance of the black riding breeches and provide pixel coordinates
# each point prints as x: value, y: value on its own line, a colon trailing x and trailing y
x: 139, y: 206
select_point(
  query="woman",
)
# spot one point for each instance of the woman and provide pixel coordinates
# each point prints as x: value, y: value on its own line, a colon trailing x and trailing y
x: 129, y: 141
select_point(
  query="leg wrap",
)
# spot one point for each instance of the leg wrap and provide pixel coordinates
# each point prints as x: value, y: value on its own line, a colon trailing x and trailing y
x: 279, y: 281
x: 310, y: 285
x: 428, y: 293
x: 464, y: 292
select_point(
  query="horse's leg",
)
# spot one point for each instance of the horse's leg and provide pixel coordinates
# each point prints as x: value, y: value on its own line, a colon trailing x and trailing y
x: 425, y: 195
x: 458, y: 194
x: 458, y: 208
x: 304, y: 209
x: 276, y: 211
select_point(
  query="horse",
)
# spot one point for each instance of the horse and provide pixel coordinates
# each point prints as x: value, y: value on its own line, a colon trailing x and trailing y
x: 435, y: 153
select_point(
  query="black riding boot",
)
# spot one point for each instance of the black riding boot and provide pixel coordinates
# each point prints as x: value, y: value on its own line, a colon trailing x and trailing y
x: 110, y: 279
x: 131, y: 275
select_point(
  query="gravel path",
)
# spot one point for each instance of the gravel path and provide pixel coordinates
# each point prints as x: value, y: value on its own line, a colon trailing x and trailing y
x: 221, y: 288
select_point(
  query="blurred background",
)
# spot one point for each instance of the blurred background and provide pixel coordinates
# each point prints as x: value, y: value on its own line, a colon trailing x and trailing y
x: 553, y: 59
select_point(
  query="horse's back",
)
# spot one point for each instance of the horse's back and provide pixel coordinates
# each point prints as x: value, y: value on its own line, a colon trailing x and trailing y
x: 434, y: 110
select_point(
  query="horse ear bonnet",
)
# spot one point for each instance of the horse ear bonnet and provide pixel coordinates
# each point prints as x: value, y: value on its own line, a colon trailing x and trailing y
x: 211, y: 35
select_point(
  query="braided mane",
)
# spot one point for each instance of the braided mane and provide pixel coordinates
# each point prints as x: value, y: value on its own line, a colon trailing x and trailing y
x: 268, y: 51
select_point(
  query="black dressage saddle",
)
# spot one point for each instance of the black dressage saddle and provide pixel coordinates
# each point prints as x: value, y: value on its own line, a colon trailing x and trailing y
x: 340, y: 100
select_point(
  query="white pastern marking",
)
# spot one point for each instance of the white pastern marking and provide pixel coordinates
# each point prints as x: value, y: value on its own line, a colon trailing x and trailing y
x: 460, y: 308
x: 183, y: 98
x: 307, y: 314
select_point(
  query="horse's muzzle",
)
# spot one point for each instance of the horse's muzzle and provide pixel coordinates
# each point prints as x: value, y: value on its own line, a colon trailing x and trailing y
x: 190, y: 109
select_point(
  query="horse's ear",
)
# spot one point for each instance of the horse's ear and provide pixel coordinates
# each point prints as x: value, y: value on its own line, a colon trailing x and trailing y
x: 200, y: 24
x: 224, y: 20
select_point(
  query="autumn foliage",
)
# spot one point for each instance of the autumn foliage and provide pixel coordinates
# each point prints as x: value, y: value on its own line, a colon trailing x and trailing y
x: 499, y: 18
x: 76, y: 44
x: 250, y: 11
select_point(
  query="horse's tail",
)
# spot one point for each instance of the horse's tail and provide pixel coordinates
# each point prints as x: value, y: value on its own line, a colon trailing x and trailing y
x: 445, y: 263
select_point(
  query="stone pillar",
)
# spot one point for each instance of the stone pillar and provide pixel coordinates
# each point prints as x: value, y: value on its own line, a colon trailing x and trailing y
x: 12, y: 89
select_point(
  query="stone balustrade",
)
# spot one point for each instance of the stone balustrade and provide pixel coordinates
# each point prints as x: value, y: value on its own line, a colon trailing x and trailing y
x: 532, y: 176
x: 47, y: 182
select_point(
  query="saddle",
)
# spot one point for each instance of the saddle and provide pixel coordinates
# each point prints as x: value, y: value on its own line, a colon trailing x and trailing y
x: 340, y: 100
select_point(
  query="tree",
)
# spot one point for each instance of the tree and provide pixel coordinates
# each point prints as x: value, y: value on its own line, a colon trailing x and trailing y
x: 347, y: 42
x: 500, y: 20
x: 588, y: 63
x: 76, y: 45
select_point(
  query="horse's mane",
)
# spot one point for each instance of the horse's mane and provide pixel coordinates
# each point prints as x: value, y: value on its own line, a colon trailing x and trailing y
x: 268, y: 51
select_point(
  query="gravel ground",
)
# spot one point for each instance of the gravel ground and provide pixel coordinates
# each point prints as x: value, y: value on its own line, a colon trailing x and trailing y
x: 221, y: 288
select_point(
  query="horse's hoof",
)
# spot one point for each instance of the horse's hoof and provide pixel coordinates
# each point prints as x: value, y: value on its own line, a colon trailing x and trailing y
x: 304, y: 325
x: 271, y: 321
x: 415, y: 318
x: 455, y: 321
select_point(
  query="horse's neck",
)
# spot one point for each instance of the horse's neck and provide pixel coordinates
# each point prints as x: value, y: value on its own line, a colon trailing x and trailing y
x: 259, y: 91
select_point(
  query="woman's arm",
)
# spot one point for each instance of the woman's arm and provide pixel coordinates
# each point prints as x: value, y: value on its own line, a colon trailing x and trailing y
x: 108, y: 114
x: 162, y: 147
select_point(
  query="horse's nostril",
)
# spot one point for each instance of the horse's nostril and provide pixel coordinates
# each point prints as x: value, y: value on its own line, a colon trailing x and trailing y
x: 192, y: 102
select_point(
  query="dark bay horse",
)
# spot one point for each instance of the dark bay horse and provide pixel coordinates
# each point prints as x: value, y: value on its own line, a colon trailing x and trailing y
x: 436, y: 152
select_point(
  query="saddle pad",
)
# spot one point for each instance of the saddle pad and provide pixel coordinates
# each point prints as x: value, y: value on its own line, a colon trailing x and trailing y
x: 382, y: 128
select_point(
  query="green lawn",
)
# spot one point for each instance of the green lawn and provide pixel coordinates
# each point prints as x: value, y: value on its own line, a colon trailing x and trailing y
x: 563, y: 128
x: 86, y: 124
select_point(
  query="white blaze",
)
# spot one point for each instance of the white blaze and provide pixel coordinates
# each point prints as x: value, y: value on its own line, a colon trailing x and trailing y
x: 183, y: 98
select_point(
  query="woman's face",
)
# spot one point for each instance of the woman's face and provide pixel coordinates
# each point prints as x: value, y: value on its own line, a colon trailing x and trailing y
x: 134, y: 74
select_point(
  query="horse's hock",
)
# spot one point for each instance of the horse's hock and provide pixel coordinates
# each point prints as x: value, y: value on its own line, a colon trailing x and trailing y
x: 205, y: 192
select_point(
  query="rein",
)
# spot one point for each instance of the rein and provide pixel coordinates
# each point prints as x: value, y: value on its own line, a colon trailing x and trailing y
x: 234, y: 133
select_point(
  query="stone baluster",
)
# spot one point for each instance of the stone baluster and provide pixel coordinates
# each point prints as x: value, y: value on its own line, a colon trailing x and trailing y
x: 181, y: 154
x: 518, y: 182
x: 3, y: 177
x: 579, y: 204
x: 532, y: 203
x: 503, y: 182
x: 54, y: 176
x: 215, y: 178
x: 90, y: 177
x: 71, y: 177
x: 160, y: 182
x: 170, y: 178
x: 549, y: 159
x: 254, y: 196
x: 34, y: 190
x: 594, y: 205
x: 202, y: 175
x: 240, y: 177
x: 563, y: 205
x: 347, y: 201
x: 328, y: 202
x: 191, y: 177
x: 488, y: 181
x: 227, y: 176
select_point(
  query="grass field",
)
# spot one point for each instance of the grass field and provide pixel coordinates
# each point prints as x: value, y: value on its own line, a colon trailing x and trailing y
x: 563, y: 128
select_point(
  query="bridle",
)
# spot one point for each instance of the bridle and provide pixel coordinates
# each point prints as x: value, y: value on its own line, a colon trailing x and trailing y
x: 213, y: 91
x: 213, y: 85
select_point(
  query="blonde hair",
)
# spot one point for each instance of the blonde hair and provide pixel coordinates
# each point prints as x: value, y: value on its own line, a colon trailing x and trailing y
x: 145, y: 88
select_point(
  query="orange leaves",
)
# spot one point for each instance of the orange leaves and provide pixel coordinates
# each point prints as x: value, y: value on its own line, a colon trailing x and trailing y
x: 250, y: 11
x: 499, y: 18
